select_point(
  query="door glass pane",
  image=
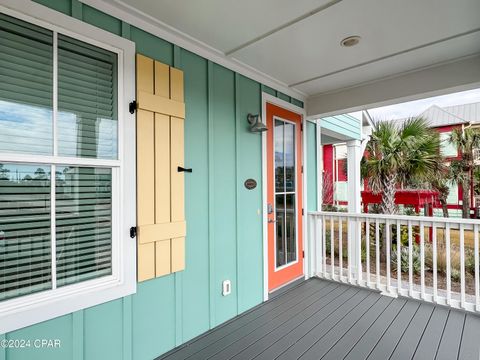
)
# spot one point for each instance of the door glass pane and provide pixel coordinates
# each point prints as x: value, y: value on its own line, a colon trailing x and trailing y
x: 280, y: 229
x: 87, y: 100
x: 279, y: 156
x: 289, y: 157
x: 26, y: 87
x: 25, y: 256
x: 285, y: 189
x: 290, y: 226
x: 84, y: 223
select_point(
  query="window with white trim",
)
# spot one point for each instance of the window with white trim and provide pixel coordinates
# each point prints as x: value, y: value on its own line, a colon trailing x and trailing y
x: 64, y: 156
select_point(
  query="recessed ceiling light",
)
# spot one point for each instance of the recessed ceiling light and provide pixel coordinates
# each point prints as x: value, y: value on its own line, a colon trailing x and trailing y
x: 350, y: 41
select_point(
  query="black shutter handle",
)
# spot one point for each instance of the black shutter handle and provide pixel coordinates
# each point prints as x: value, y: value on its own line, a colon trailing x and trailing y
x: 182, y: 169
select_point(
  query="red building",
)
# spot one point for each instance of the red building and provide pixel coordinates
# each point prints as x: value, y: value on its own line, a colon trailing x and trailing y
x: 443, y: 120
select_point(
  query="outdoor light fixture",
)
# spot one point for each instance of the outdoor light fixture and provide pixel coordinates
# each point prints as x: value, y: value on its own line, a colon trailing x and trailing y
x: 256, y: 124
x: 350, y: 41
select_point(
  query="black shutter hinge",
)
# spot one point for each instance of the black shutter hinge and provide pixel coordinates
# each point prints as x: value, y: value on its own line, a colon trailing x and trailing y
x: 182, y: 169
x: 132, y: 107
x: 133, y: 232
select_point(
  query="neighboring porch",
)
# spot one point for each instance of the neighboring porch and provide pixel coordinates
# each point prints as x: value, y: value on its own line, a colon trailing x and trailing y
x: 321, y: 319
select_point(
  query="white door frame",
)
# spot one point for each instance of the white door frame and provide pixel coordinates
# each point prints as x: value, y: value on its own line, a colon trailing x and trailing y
x: 267, y: 98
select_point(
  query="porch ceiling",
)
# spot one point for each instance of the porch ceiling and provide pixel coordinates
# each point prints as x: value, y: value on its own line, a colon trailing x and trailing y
x: 298, y: 42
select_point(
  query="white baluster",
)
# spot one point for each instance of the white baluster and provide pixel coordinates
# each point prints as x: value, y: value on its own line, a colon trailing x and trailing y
x: 462, y: 266
x: 367, y: 244
x: 422, y: 259
x: 387, y: 239
x: 399, y: 258
x: 340, y: 248
x: 410, y: 260
x: 324, y: 247
x: 332, y: 246
x: 449, y: 267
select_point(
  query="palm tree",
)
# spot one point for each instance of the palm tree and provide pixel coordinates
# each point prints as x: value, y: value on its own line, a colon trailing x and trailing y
x: 397, y: 155
x: 461, y: 170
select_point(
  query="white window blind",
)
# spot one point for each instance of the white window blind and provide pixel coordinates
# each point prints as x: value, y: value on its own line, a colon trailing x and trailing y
x: 56, y: 218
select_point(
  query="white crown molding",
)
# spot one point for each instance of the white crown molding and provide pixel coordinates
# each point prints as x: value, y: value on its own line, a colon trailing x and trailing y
x: 164, y: 31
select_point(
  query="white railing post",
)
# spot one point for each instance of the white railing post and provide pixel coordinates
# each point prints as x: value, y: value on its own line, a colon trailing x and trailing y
x: 354, y: 156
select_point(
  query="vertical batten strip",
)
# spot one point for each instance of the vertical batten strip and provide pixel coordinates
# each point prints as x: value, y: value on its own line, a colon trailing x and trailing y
x: 448, y: 263
x: 462, y: 266
x: 477, y: 266
x: 211, y: 187
x: 410, y: 260
x: 422, y: 259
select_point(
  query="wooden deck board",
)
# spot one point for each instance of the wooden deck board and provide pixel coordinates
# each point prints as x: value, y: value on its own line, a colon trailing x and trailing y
x: 320, y: 319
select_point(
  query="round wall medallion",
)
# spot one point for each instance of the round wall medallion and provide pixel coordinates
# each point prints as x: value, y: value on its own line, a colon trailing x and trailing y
x: 250, y: 184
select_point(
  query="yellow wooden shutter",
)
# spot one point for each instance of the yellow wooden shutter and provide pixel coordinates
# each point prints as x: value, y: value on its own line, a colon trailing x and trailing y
x: 160, y: 186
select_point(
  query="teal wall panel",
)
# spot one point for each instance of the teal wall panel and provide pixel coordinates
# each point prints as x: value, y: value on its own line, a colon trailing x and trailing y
x: 102, y: 331
x: 153, y: 315
x: 222, y: 145
x: 63, y: 6
x: 60, y: 328
x: 152, y: 46
x: 196, y: 316
x: 249, y: 202
x: 102, y: 20
x: 312, y: 166
x: 345, y: 126
x: 224, y: 220
x: 283, y: 96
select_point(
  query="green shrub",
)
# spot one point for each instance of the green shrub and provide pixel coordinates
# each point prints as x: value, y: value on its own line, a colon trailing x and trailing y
x: 470, y: 261
x: 404, y: 262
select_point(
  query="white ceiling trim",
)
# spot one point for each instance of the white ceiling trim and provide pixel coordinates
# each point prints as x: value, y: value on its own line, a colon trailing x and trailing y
x: 473, y: 31
x: 283, y: 26
x: 164, y: 31
x: 393, y: 76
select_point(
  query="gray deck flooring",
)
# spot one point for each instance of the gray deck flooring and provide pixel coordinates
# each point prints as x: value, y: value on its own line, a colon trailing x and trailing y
x: 319, y: 319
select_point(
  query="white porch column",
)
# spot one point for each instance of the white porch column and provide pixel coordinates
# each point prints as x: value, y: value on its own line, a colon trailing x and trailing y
x: 354, y: 156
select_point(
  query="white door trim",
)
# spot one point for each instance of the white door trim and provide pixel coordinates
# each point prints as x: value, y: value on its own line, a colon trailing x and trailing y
x: 267, y: 98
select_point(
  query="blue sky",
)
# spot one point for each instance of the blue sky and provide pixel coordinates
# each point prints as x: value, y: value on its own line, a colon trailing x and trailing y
x: 414, y: 108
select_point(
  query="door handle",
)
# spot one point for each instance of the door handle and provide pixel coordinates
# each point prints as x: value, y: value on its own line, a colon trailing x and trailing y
x: 271, y: 221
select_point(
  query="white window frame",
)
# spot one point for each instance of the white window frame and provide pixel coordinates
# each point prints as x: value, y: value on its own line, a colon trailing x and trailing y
x: 30, y: 309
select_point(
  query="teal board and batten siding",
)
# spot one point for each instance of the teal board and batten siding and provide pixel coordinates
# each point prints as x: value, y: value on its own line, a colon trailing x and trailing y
x: 224, y: 221
x: 346, y: 127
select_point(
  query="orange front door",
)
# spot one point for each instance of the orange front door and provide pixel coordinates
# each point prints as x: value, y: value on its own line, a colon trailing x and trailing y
x: 284, y: 196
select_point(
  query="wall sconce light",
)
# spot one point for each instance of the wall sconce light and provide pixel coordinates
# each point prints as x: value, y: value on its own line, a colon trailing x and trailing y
x: 256, y: 124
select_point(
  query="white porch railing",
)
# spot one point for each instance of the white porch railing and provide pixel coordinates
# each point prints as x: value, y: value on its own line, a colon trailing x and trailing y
x: 428, y: 258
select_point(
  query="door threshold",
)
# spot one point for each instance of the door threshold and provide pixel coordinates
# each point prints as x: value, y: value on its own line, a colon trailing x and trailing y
x: 285, y: 287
